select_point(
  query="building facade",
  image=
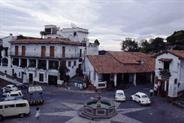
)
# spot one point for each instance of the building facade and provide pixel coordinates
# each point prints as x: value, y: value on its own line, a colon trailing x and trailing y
x: 39, y: 59
x: 169, y: 73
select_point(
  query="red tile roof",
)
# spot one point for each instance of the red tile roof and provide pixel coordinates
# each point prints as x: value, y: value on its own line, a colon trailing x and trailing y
x: 46, y: 41
x: 123, y: 62
x: 177, y: 53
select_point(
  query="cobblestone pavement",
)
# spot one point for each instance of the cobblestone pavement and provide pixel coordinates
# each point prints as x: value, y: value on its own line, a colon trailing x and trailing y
x: 62, y: 106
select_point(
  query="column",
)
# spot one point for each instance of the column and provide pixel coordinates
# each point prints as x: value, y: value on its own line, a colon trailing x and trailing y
x: 19, y: 62
x: 134, y: 79
x: 47, y: 64
x: 115, y: 80
x: 27, y: 62
x: 151, y: 78
x: 36, y: 63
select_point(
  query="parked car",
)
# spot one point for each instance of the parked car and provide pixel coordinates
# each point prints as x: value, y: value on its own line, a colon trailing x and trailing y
x: 13, y: 95
x: 35, y: 95
x: 141, y: 98
x: 120, y: 95
x: 14, y: 108
x: 9, y: 88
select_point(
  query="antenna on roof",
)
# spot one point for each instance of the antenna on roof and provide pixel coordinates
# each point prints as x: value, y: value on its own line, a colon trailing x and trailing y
x: 73, y: 25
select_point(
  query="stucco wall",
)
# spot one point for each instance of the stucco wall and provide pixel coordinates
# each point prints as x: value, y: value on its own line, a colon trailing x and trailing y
x: 175, y: 70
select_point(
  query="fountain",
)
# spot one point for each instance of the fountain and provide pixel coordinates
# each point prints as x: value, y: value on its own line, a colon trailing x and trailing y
x: 98, y: 108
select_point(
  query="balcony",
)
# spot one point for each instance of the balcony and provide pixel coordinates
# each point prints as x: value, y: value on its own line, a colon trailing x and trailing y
x: 165, y: 74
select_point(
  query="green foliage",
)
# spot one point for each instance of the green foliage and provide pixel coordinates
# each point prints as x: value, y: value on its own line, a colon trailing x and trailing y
x: 129, y: 45
x: 63, y: 70
x: 145, y: 47
x: 157, y: 45
x: 176, y: 40
x: 97, y: 42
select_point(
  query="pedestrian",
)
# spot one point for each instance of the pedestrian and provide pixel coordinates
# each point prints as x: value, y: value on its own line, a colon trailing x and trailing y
x: 37, y: 115
x: 155, y: 89
x: 151, y: 92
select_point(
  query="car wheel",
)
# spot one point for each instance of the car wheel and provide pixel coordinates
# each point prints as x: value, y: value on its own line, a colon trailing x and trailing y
x: 1, y: 117
x: 22, y: 115
x: 140, y: 102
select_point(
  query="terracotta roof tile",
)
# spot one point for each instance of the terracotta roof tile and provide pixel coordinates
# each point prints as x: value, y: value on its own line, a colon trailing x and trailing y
x: 46, y: 41
x: 123, y: 62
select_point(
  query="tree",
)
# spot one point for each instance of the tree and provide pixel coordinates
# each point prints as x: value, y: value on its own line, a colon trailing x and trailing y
x: 129, y: 45
x: 96, y: 42
x: 157, y: 45
x: 42, y: 33
x: 63, y: 71
x: 79, y: 71
x: 145, y: 47
x: 176, y: 40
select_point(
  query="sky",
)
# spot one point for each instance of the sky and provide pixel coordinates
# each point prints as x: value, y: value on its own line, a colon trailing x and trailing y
x: 109, y: 21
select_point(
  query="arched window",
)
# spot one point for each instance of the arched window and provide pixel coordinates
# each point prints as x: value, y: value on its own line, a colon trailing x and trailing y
x: 5, y: 62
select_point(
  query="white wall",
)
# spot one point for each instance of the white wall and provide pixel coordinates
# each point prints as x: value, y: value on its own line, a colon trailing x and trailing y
x: 90, y: 72
x: 174, y: 70
x: 35, y: 50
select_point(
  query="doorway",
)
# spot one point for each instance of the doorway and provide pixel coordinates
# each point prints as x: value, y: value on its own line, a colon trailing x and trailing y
x: 52, y: 80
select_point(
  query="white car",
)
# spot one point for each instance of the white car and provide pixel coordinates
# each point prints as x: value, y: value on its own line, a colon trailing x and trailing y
x: 141, y: 98
x: 13, y: 95
x: 120, y: 95
x: 9, y: 88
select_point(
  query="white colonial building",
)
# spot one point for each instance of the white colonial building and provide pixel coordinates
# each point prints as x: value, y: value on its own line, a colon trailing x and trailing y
x: 169, y: 73
x: 39, y: 59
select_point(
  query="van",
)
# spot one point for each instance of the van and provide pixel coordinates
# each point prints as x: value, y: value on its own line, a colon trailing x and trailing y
x: 14, y: 108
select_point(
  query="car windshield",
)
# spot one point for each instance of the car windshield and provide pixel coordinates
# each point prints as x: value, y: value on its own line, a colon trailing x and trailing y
x: 144, y: 96
x: 120, y: 94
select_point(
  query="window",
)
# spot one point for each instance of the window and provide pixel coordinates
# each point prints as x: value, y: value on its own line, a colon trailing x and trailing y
x: 23, y: 50
x: 21, y: 105
x: 51, y: 51
x: 53, y: 64
x: 9, y: 106
x: 15, y: 61
x: 42, y: 64
x: 32, y: 63
x: 5, y: 62
x: 1, y: 107
x: 75, y: 34
x: 6, y: 52
x: 41, y: 77
x: 80, y: 53
x: 23, y: 63
x: 63, y: 52
x: 47, y: 30
x: 16, y: 50
x: 74, y: 63
x: 69, y: 63
x: 43, y: 51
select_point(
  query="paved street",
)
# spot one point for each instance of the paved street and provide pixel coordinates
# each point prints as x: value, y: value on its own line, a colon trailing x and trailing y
x: 63, y: 105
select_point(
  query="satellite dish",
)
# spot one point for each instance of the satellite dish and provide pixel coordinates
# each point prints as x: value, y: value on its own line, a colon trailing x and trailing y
x: 73, y: 25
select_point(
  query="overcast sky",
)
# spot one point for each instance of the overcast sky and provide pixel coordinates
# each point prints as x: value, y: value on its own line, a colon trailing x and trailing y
x: 110, y: 21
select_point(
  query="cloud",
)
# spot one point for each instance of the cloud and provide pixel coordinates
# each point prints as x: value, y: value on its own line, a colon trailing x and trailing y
x: 108, y: 21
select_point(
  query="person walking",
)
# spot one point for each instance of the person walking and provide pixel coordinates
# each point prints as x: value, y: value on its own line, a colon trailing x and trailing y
x: 151, y: 92
x: 155, y: 89
x: 37, y: 115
